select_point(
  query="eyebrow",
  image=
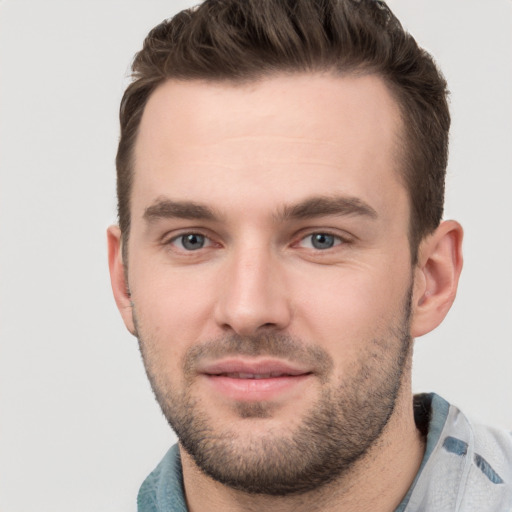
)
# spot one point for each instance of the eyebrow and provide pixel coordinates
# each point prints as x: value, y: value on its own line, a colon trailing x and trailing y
x: 164, y: 208
x: 319, y: 206
x: 312, y: 207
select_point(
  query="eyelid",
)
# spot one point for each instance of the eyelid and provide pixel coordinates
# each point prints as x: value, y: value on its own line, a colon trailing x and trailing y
x: 173, y: 234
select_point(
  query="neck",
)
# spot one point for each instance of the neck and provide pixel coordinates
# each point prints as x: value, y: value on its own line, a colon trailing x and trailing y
x: 377, y: 482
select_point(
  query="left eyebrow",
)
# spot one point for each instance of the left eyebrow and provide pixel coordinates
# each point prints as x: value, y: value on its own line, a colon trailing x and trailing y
x: 319, y: 206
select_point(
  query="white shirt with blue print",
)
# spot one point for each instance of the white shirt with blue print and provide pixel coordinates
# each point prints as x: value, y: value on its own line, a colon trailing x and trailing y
x: 467, y: 467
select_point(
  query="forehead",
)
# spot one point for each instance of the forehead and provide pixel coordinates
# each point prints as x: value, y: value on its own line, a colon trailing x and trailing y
x: 282, y: 134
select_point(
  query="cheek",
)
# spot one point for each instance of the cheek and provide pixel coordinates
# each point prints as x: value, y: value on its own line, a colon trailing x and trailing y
x: 346, y: 309
x: 173, y: 308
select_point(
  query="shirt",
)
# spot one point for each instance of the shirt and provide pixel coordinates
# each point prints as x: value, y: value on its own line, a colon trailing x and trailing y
x: 467, y: 467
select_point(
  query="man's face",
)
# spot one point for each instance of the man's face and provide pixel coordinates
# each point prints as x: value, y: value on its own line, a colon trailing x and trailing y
x: 270, y: 274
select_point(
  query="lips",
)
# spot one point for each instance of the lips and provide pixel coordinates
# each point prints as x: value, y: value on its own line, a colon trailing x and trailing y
x: 244, y: 369
x: 253, y: 380
x: 241, y: 375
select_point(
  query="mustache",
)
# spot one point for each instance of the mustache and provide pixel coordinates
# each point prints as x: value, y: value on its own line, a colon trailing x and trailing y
x: 274, y: 345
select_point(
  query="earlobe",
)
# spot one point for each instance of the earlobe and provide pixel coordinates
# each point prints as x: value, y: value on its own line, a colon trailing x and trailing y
x: 118, y: 277
x: 436, y: 277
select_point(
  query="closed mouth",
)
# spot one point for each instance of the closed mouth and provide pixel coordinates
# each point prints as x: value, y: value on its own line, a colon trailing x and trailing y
x: 245, y: 375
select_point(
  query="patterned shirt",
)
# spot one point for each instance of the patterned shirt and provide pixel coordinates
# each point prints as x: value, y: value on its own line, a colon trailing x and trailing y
x: 466, y: 467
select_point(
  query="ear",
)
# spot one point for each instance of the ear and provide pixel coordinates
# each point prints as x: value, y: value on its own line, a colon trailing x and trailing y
x: 118, y: 277
x: 436, y: 277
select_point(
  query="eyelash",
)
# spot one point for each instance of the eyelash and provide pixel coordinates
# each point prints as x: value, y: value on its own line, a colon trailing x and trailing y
x: 337, y: 240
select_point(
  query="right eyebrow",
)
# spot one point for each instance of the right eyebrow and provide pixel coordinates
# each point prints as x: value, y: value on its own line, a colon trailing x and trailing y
x: 319, y: 206
x: 164, y: 208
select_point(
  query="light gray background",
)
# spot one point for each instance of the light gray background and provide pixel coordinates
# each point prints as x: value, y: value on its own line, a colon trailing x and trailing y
x: 79, y: 429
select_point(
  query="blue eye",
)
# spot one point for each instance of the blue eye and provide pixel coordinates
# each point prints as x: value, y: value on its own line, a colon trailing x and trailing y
x: 320, y: 241
x: 191, y: 241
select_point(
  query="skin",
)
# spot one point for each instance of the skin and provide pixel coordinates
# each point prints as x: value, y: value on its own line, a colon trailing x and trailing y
x: 248, y: 155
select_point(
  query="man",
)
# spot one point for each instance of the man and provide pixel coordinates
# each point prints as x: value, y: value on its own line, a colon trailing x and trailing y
x: 280, y: 245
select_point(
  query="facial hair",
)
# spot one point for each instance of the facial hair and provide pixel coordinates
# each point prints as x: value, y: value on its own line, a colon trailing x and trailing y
x: 345, y: 421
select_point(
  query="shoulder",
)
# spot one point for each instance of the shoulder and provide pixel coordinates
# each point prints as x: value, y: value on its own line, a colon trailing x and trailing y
x: 482, y: 457
x: 467, y: 466
x: 492, y: 453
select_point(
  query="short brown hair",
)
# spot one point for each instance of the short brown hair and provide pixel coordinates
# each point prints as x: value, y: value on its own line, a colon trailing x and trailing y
x: 243, y: 40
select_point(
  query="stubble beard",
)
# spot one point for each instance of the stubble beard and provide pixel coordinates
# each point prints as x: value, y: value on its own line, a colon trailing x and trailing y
x: 339, y: 429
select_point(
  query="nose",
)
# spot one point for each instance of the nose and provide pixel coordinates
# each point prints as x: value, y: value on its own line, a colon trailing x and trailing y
x: 253, y: 294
